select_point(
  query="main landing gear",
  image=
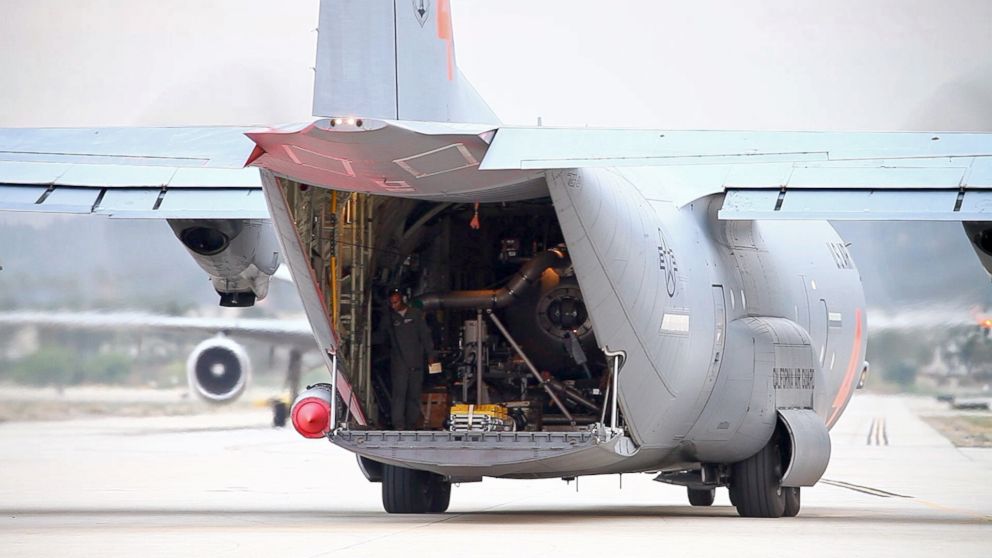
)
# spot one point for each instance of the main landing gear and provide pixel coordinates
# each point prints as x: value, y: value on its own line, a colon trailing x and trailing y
x: 756, y: 485
x: 413, y: 491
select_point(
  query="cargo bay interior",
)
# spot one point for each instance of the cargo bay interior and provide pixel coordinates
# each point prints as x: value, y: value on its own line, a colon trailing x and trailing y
x: 501, y: 300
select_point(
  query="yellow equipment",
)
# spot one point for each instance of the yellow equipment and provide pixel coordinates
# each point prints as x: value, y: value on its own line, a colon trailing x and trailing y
x: 479, y: 418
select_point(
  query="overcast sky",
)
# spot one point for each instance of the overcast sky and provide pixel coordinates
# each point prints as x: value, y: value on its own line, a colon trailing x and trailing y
x: 784, y: 64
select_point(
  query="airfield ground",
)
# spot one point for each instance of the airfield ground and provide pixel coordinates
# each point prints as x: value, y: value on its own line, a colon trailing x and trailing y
x: 224, y: 483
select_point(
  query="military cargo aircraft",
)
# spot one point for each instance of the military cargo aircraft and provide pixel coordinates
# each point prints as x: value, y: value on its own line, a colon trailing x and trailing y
x: 631, y: 300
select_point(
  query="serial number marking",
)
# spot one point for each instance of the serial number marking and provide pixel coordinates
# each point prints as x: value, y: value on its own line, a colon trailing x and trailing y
x: 793, y: 378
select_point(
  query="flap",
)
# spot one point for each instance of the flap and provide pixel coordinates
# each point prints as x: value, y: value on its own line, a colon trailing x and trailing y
x: 146, y: 173
x: 556, y: 148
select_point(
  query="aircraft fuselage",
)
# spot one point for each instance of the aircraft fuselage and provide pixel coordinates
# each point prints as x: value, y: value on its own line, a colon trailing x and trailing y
x: 722, y: 322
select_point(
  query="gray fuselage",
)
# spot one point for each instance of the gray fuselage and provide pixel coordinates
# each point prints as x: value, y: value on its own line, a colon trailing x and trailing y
x: 722, y: 322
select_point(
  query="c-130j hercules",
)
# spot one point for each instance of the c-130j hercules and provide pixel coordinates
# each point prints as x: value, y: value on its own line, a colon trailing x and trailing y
x: 636, y: 300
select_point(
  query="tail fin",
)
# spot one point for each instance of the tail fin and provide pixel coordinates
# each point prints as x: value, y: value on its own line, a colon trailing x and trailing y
x: 392, y: 59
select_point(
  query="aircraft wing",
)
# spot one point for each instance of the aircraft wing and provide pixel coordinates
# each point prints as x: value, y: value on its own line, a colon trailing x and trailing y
x: 198, y: 172
x: 151, y: 173
x: 289, y: 332
x: 785, y: 175
x: 782, y: 175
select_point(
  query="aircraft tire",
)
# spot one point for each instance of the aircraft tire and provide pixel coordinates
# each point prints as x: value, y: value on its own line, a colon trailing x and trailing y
x: 412, y: 491
x: 439, y: 492
x: 757, y: 481
x: 792, y: 501
x: 701, y: 496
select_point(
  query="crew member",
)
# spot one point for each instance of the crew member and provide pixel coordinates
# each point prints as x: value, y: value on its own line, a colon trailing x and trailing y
x: 410, y: 347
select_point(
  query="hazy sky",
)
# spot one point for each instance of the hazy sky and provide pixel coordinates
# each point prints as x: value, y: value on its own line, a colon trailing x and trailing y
x: 787, y: 64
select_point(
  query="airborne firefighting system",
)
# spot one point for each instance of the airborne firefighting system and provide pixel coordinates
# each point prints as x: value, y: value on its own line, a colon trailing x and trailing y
x: 510, y: 327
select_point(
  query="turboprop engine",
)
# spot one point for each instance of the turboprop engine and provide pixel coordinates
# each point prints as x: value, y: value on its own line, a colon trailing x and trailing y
x: 240, y: 255
x: 218, y: 369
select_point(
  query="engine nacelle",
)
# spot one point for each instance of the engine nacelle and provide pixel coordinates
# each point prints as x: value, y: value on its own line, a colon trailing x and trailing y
x: 980, y: 235
x: 239, y: 254
x: 218, y: 370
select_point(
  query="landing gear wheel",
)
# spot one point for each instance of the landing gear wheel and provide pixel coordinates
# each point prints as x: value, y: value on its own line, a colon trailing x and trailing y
x: 412, y: 491
x: 792, y: 502
x: 756, y: 483
x: 280, y: 412
x: 701, y: 496
x: 439, y: 492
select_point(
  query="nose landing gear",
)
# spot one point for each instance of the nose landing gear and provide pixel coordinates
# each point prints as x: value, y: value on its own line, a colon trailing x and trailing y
x: 701, y: 496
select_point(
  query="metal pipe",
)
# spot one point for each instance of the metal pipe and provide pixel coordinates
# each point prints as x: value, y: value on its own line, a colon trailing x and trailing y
x: 555, y: 420
x: 478, y: 358
x: 572, y: 395
x: 368, y: 241
x: 334, y: 391
x: 618, y: 357
x: 608, y: 396
x: 529, y: 274
x: 333, y: 271
x: 530, y: 365
x: 347, y: 408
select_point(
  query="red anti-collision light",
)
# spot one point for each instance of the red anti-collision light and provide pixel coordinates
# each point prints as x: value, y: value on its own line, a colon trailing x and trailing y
x: 312, y: 417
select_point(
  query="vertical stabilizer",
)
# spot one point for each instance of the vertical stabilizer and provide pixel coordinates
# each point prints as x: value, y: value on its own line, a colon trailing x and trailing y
x: 392, y: 59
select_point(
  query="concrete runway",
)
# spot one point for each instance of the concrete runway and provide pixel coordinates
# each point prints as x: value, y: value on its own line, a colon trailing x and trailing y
x: 225, y: 484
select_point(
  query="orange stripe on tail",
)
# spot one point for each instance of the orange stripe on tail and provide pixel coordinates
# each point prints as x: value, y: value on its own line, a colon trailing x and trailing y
x: 444, y: 33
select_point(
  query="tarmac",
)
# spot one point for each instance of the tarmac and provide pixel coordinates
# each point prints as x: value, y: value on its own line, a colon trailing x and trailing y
x: 227, y: 484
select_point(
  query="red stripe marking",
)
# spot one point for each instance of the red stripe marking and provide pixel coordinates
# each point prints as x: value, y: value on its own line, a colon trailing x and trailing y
x: 852, y: 369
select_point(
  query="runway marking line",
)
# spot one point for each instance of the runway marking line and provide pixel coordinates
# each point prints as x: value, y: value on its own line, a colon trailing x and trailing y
x: 886, y: 494
x: 864, y: 489
x: 878, y: 432
x: 941, y: 507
